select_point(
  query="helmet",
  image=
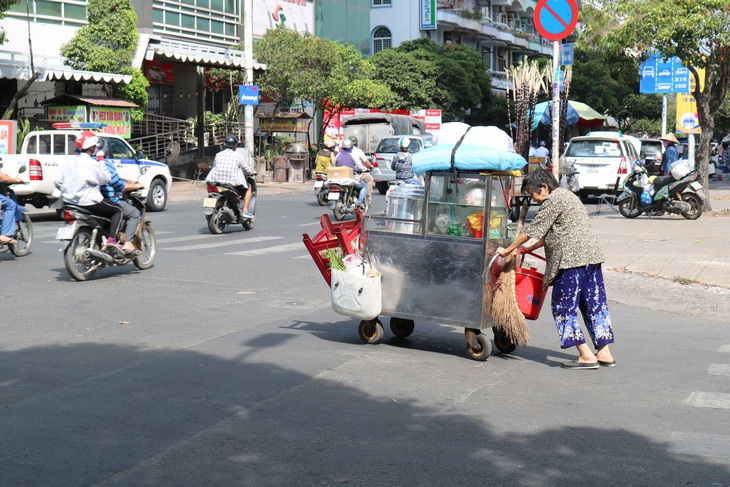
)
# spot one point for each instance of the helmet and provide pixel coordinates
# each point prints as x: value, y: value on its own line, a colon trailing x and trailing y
x: 542, y: 143
x: 86, y: 140
x: 231, y: 141
x: 404, y: 142
x: 353, y: 139
x: 347, y: 144
x: 330, y: 143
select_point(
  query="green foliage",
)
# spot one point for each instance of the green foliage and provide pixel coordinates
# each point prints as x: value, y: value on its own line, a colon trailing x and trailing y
x: 107, y: 44
x: 423, y: 74
x: 4, y: 6
x: 135, y: 92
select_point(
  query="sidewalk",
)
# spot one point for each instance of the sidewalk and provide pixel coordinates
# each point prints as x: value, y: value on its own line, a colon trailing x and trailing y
x: 670, y: 246
x: 195, y: 190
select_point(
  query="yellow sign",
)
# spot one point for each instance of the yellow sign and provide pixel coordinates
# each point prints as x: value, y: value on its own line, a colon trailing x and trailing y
x: 118, y: 120
x: 687, y: 120
x: 283, y: 125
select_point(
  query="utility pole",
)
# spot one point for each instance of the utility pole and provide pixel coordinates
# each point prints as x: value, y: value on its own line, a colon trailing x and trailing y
x: 248, y: 63
x: 555, y: 116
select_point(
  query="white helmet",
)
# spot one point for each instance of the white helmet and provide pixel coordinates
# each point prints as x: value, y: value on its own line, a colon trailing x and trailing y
x: 404, y: 142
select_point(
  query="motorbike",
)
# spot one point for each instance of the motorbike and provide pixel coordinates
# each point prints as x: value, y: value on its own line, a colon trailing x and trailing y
x: 23, y: 226
x: 224, y: 206
x: 683, y: 196
x: 83, y: 249
x: 321, y: 190
x: 343, y: 198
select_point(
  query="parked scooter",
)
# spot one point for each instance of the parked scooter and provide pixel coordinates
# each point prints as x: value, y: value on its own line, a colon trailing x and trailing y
x: 224, y: 206
x: 343, y: 198
x: 679, y: 193
x: 83, y: 249
x: 23, y: 226
x: 321, y: 190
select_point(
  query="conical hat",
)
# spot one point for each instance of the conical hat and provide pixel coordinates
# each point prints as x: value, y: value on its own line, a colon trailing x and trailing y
x: 669, y: 138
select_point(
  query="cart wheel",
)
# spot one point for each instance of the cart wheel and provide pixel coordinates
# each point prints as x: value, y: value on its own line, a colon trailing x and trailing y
x: 502, y: 341
x: 371, y: 331
x: 401, y: 327
x: 480, y: 347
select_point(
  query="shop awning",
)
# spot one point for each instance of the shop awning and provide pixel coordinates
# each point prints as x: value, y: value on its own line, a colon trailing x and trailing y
x: 189, y: 52
x: 100, y: 101
x: 16, y: 65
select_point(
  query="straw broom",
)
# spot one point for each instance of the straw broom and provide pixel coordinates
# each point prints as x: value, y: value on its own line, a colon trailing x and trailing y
x: 506, y: 314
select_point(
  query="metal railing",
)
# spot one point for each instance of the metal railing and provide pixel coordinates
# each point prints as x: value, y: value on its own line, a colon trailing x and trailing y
x: 163, y: 138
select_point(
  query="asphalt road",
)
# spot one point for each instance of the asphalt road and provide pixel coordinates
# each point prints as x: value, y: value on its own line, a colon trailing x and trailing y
x: 224, y: 365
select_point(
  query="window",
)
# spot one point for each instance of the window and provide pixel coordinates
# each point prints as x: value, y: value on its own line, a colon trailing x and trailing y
x: 381, y: 3
x: 381, y: 39
x: 120, y: 149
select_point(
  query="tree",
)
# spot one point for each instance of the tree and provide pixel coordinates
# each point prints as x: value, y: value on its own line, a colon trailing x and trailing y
x: 332, y: 76
x: 107, y: 44
x: 423, y: 74
x: 4, y: 6
x: 698, y: 33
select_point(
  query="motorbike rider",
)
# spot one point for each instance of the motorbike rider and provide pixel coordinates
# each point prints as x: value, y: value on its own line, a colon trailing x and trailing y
x: 130, y: 214
x: 402, y: 163
x: 359, y: 155
x: 345, y: 159
x: 671, y: 153
x: 325, y: 156
x: 230, y: 167
x: 9, y: 206
x: 79, y: 178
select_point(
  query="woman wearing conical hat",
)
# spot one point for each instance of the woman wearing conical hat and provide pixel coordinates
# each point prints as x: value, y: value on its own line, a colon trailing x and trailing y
x: 670, y: 151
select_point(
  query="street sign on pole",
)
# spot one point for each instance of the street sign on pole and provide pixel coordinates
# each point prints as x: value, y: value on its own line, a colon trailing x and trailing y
x: 555, y: 19
x: 248, y: 95
x: 663, y: 75
x: 566, y: 54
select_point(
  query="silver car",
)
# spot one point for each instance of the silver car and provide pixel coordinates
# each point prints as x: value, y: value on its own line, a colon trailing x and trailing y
x: 387, y: 148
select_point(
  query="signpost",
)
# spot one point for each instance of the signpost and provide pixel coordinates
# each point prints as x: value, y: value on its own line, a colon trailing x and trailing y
x: 664, y: 76
x: 555, y: 20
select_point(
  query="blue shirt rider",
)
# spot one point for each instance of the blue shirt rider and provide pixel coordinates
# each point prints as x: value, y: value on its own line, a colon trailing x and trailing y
x: 345, y: 159
x: 670, y: 152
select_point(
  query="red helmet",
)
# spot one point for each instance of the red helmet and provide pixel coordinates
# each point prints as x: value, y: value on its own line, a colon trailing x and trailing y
x: 86, y: 140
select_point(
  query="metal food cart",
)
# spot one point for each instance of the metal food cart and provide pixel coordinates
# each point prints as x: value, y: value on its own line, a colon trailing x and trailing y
x: 435, y: 263
x: 435, y: 249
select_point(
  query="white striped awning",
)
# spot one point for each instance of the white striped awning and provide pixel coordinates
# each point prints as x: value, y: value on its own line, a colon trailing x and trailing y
x: 188, y: 52
x: 16, y: 65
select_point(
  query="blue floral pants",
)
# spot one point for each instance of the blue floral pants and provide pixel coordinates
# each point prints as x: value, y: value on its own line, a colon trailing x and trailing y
x: 581, y: 288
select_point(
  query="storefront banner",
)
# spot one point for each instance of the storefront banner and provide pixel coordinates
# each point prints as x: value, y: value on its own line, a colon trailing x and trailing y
x: 8, y: 132
x: 161, y: 73
x: 427, y: 14
x: 66, y: 114
x: 283, y: 125
x: 118, y: 120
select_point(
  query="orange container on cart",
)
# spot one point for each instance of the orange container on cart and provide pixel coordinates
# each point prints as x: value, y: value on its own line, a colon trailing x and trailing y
x: 528, y: 288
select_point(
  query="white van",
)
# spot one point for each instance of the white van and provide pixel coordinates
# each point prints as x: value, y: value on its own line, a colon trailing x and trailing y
x: 603, y: 160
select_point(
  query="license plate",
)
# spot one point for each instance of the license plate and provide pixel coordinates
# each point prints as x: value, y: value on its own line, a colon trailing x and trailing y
x: 592, y: 170
x: 333, y: 196
x: 66, y: 232
x: 696, y: 186
x: 318, y: 184
x: 209, y: 202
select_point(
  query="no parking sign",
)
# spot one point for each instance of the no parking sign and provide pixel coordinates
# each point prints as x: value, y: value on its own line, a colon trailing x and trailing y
x: 555, y: 19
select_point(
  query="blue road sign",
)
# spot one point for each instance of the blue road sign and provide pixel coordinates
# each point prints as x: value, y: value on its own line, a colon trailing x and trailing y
x: 248, y: 95
x: 566, y: 54
x: 663, y: 75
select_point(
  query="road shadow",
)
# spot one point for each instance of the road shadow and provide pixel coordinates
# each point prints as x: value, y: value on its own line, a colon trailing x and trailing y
x: 243, y: 413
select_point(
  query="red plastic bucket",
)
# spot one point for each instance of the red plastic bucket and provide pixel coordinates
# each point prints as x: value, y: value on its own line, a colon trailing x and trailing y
x: 530, y: 294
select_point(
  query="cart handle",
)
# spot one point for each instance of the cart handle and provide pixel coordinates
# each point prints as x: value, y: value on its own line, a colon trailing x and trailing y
x: 525, y: 251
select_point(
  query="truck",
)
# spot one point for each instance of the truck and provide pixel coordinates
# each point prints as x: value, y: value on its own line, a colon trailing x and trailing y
x: 43, y: 152
x: 369, y: 128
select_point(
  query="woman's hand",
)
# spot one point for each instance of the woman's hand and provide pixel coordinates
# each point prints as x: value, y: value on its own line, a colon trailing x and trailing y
x: 502, y: 252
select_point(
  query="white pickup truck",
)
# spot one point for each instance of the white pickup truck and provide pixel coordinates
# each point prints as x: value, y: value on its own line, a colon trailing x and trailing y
x: 43, y: 152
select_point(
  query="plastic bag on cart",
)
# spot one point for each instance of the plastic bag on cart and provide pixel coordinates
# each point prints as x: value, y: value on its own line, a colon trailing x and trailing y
x: 357, y: 293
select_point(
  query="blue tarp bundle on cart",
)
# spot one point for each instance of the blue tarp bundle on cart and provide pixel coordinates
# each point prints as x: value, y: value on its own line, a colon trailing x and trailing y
x: 467, y: 158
